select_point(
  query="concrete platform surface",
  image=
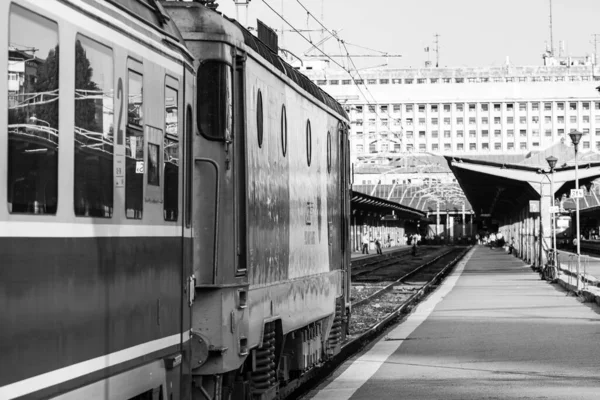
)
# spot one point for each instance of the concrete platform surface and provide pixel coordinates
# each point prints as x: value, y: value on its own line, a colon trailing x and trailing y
x: 492, y: 330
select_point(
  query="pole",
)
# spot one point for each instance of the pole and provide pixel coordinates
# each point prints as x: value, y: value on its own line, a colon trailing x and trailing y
x: 554, y: 260
x: 577, y: 218
x: 464, y: 233
x: 437, y: 219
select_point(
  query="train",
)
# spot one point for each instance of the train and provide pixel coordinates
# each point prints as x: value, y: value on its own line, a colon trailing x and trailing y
x: 175, y: 206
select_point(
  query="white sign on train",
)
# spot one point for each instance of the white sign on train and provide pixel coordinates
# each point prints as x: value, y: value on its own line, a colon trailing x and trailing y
x: 554, y: 209
x: 577, y: 193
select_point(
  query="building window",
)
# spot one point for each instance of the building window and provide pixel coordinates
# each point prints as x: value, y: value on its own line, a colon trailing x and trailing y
x: 535, y: 132
x: 421, y: 108
x: 371, y: 108
x: 421, y: 134
x: 510, y: 120
x: 509, y: 106
x: 522, y: 106
x: 459, y: 120
x: 33, y: 135
x: 472, y: 121
x: 548, y: 106
x: 359, y: 109
x: 384, y: 81
x: 334, y: 82
x: 396, y: 108
x: 460, y: 147
x: 522, y: 119
x: 447, y: 146
x: 522, y: 79
x: 523, y: 132
x: 535, y: 106
x: 472, y: 107
x: 460, y: 107
x: 586, y: 106
x: 597, y: 131
x: 409, y: 121
x: 510, y: 146
x: 535, y: 119
x: 359, y: 148
x: 472, y: 133
x: 485, y: 146
x: 497, y: 133
x: 460, y: 80
x: 447, y: 134
x: 459, y: 133
x: 346, y: 82
x: 472, y: 80
x: 586, y: 145
x: 484, y: 106
x: 548, y: 132
x: 523, y: 145
x: 383, y: 108
x: 510, y: 132
x: 409, y: 108
x: 434, y: 121
x: 561, y: 132
x: 573, y: 119
x: 409, y: 134
x: 371, y: 121
x: 597, y: 118
x: 586, y: 119
x: 497, y: 120
x: 446, y: 107
x: 497, y: 106
x: 572, y: 106
x: 484, y: 120
x: 597, y: 105
x: 510, y: 79
x: 447, y: 121
x: 359, y: 81
x: 409, y: 147
x: 421, y: 80
x: 485, y: 133
x: 396, y: 81
x: 560, y: 106
x: 371, y: 81
x: 384, y: 122
x: 536, y: 144
x: 408, y: 81
x: 472, y: 146
x: 586, y: 131
x: 422, y: 147
x: 435, y: 147
x: 434, y: 108
x: 434, y: 134
x: 497, y: 146
x: 548, y: 119
x: 536, y: 79
x: 560, y: 119
x: 321, y: 82
x: 421, y: 121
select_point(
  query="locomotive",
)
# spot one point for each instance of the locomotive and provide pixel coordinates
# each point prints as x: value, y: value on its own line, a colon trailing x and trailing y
x: 176, y: 219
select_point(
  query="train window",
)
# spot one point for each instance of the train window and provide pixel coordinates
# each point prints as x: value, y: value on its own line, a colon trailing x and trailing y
x: 32, y: 184
x: 153, y: 174
x: 93, y: 175
x: 171, y: 156
x: 259, y: 118
x: 328, y: 151
x: 284, y: 132
x: 215, y: 105
x: 134, y: 148
x: 308, y: 142
x: 188, y: 165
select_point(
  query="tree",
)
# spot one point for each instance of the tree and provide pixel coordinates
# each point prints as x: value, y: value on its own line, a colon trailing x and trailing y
x: 47, y: 81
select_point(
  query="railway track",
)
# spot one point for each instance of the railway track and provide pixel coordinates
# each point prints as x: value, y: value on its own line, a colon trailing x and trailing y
x: 383, y: 306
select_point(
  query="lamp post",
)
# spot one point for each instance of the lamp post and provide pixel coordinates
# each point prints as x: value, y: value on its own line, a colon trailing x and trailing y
x: 575, y: 138
x: 552, y: 163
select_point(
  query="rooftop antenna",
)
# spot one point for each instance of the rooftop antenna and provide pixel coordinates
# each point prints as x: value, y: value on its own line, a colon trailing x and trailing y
x: 551, y: 36
x: 437, y: 50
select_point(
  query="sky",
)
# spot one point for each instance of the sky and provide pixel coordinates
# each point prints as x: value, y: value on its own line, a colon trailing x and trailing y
x: 472, y: 32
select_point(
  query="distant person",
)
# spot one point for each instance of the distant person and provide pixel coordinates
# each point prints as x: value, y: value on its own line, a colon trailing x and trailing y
x: 365, y: 244
x: 511, y: 247
x: 414, y: 244
x: 477, y: 238
x: 378, y: 246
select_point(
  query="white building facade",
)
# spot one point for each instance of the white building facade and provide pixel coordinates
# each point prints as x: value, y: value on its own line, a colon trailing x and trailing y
x: 466, y: 111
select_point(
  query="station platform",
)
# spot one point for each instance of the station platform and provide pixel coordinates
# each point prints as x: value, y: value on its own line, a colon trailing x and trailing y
x: 492, y: 330
x: 357, y: 255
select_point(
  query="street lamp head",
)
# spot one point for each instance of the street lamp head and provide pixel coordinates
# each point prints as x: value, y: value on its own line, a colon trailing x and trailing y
x: 575, y: 137
x: 552, y: 162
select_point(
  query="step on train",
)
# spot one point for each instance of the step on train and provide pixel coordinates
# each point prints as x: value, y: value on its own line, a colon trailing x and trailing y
x: 174, y: 206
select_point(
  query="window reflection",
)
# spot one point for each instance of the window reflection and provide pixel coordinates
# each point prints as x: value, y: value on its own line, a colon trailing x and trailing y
x: 32, y: 113
x: 215, y: 102
x: 134, y: 148
x: 94, y: 130
x: 171, y: 156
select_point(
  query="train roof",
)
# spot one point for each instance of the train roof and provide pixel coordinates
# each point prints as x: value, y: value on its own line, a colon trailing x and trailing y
x: 152, y: 13
x: 202, y: 19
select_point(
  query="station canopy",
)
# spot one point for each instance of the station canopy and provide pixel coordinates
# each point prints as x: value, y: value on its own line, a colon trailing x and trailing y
x: 364, y: 202
x: 497, y: 185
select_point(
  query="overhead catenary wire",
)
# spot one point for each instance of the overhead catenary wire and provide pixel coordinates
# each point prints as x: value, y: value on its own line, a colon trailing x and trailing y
x: 347, y: 70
